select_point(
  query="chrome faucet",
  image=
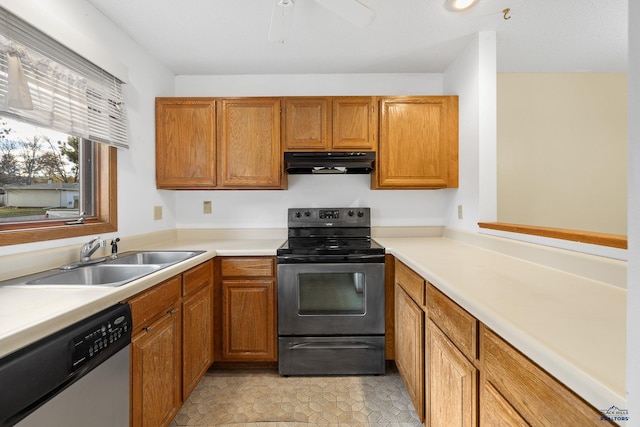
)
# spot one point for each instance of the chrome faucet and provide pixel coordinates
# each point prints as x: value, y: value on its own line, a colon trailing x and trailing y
x: 86, y: 251
x: 89, y: 249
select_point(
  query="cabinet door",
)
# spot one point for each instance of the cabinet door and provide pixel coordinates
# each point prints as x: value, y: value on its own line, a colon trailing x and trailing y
x: 451, y: 385
x: 155, y: 361
x: 249, y: 143
x: 418, y: 143
x: 185, y: 143
x: 307, y: 124
x: 197, y: 337
x: 248, y: 320
x: 496, y: 411
x: 355, y: 123
x: 539, y: 398
x: 409, y: 352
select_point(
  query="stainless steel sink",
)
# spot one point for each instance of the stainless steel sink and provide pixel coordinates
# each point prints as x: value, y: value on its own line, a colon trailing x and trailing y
x: 96, y: 275
x: 163, y: 258
x: 112, y: 273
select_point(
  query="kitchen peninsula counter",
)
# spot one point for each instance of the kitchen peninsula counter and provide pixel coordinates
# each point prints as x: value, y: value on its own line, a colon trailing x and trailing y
x: 573, y: 327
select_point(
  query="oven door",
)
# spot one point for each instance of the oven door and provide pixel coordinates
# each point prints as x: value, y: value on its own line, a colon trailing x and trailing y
x: 331, y: 299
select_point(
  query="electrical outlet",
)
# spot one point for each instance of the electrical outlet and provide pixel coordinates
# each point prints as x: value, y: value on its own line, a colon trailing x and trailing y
x: 206, y: 207
x: 157, y: 212
x: 459, y: 211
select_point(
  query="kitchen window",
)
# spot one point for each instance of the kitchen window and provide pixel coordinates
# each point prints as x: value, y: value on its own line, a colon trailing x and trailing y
x: 61, y: 118
x: 49, y: 179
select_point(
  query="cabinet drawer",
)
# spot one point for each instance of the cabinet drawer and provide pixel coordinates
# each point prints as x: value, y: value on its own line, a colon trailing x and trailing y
x: 411, y: 282
x: 247, y: 267
x: 197, y: 277
x: 147, y: 305
x: 454, y: 321
x: 538, y: 397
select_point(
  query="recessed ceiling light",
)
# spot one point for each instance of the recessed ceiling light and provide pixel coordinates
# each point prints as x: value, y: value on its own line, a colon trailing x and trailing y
x: 458, y: 5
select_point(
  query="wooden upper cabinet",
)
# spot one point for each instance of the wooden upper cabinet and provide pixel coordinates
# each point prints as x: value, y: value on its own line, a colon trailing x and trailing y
x: 249, y: 143
x: 307, y: 124
x: 185, y: 143
x: 328, y: 123
x: 355, y: 123
x: 418, y: 145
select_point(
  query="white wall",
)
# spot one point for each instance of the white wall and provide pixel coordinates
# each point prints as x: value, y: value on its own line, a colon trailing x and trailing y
x: 472, y: 75
x: 562, y: 150
x: 80, y: 23
x: 265, y: 209
x: 633, y: 225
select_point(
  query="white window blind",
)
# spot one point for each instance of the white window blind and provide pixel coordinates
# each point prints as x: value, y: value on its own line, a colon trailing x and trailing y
x: 47, y: 84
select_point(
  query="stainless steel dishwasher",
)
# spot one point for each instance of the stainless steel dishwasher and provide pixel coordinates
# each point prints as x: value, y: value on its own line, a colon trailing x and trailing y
x: 76, y: 377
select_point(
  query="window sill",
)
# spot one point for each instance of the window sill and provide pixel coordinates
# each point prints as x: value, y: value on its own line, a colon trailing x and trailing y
x: 602, y: 239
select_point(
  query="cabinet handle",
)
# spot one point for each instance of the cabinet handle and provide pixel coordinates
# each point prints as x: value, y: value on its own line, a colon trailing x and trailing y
x: 172, y: 311
x: 147, y: 329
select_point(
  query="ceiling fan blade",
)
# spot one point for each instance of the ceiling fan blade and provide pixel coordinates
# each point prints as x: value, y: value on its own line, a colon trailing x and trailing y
x: 353, y: 11
x: 281, y: 20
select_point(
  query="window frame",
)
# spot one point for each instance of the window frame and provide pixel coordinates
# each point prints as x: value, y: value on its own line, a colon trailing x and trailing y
x: 104, y: 221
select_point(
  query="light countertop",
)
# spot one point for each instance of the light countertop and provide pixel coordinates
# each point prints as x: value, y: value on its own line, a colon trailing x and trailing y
x: 575, y: 328
x: 33, y: 312
x: 572, y: 326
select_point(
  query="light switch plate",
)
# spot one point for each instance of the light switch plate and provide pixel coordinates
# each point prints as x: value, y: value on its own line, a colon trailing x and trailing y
x: 206, y: 207
x: 157, y: 212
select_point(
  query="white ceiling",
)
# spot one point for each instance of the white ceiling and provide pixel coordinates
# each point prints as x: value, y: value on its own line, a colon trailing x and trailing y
x: 407, y: 36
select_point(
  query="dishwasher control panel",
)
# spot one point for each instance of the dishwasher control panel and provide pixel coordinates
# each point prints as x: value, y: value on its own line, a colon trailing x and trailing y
x: 106, y: 333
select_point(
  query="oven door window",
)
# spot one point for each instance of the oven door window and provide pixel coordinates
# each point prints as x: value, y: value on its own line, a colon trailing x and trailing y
x: 331, y: 294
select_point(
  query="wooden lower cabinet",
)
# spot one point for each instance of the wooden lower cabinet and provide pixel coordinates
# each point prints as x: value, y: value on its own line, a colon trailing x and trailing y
x: 452, y: 383
x: 409, y: 345
x: 155, y: 384
x: 245, y: 311
x: 470, y: 376
x: 171, y: 344
x: 248, y: 318
x: 514, y: 385
x: 496, y: 411
x: 197, y: 325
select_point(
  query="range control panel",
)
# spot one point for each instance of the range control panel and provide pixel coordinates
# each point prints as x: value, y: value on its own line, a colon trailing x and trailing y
x: 102, y: 335
x: 329, y: 217
x: 329, y: 214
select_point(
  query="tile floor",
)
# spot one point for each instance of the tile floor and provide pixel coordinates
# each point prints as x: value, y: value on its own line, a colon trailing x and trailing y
x: 262, y: 398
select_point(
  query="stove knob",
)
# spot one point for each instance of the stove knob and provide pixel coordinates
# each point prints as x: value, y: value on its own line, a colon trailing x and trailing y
x: 350, y: 213
x: 307, y: 213
x: 298, y: 214
x: 360, y: 214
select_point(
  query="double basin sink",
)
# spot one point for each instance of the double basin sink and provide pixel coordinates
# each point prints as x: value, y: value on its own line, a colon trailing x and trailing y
x: 111, y: 272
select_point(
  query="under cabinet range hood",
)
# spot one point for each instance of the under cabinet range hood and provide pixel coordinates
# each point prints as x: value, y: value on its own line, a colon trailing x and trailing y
x: 329, y: 162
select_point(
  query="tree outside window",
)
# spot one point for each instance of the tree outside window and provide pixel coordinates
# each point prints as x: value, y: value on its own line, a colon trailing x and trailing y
x: 39, y: 173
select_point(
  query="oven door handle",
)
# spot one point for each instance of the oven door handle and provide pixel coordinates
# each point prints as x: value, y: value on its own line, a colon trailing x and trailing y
x: 331, y: 345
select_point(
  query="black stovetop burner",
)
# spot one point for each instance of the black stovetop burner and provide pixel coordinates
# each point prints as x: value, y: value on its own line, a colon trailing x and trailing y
x: 329, y: 234
x: 330, y: 246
